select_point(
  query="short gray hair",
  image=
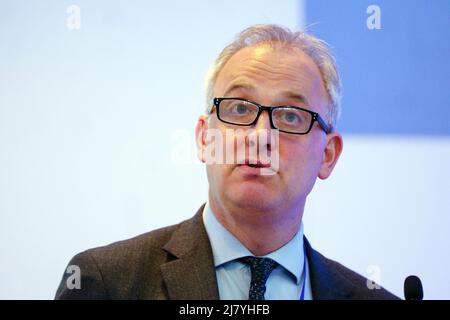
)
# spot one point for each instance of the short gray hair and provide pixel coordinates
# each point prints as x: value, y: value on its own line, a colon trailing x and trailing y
x: 318, y: 50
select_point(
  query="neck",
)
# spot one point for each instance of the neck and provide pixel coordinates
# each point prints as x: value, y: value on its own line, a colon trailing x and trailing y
x: 260, y: 231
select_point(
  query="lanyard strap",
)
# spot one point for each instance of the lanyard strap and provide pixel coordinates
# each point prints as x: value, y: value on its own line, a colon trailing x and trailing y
x: 302, y: 293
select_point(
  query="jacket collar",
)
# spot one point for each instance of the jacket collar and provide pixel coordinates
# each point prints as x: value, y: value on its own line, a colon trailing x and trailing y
x: 191, y: 274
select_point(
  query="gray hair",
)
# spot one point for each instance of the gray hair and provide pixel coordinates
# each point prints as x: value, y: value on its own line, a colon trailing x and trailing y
x: 318, y: 50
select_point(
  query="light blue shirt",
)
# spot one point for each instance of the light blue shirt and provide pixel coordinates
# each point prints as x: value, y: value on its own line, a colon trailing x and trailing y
x: 233, y: 277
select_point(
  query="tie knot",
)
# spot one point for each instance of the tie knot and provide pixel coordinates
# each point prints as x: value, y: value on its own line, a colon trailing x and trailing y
x: 264, y: 266
x: 260, y: 269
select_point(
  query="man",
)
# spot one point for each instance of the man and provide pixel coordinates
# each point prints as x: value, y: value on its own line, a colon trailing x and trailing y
x: 247, y: 241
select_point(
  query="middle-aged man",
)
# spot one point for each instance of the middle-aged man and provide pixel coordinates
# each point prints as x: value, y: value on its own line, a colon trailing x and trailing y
x: 247, y: 241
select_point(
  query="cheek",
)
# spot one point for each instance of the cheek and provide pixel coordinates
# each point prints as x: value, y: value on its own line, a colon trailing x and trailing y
x: 217, y: 175
x: 214, y: 173
x: 299, y: 160
x: 221, y: 142
x: 214, y: 178
x: 299, y: 170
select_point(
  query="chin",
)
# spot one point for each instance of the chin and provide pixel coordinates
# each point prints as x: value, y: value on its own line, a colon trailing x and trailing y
x: 253, y: 199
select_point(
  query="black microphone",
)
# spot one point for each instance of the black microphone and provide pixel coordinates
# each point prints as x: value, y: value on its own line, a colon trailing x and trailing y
x: 413, y: 288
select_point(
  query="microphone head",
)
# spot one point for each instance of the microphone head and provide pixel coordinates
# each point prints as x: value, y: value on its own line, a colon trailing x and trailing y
x: 413, y: 288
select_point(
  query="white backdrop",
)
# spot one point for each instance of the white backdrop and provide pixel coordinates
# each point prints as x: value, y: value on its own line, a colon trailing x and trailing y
x: 96, y: 145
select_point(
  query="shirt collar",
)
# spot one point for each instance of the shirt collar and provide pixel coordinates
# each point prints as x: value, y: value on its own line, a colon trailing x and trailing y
x: 226, y: 247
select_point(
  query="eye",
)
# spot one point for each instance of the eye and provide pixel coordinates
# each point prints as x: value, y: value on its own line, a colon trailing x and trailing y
x: 241, y: 108
x: 291, y: 117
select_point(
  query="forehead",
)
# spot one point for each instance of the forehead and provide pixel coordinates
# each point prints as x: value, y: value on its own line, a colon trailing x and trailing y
x: 271, y: 72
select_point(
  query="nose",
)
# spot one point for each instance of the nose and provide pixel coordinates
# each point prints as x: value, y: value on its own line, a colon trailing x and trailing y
x: 262, y: 131
x: 263, y: 122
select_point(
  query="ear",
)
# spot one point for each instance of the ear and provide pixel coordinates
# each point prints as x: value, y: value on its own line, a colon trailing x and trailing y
x: 333, y: 150
x: 200, y: 133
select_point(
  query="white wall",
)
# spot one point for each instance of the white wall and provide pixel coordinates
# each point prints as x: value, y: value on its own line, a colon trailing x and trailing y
x: 88, y: 130
x: 87, y: 123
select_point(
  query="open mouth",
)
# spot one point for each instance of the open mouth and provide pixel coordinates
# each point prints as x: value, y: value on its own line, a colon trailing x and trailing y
x: 256, y: 164
x: 257, y: 168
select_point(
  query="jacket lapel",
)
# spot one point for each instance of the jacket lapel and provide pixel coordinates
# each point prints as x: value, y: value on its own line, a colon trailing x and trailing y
x: 191, y: 275
x: 326, y: 283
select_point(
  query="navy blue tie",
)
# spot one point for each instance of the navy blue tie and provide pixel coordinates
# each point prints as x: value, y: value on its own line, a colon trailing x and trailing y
x: 260, y: 269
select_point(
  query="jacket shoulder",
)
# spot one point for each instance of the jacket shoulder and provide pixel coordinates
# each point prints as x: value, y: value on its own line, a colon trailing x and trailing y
x: 133, y: 248
x: 333, y: 280
x: 116, y: 271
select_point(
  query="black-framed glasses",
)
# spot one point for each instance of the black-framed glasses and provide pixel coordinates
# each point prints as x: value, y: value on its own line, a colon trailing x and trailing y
x: 287, y: 119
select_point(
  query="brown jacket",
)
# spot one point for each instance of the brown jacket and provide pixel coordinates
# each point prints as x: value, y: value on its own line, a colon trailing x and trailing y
x: 176, y: 262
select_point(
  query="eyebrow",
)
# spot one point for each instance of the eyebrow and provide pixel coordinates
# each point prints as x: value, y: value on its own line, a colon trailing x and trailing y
x: 239, y: 85
x: 296, y: 96
x: 288, y: 93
